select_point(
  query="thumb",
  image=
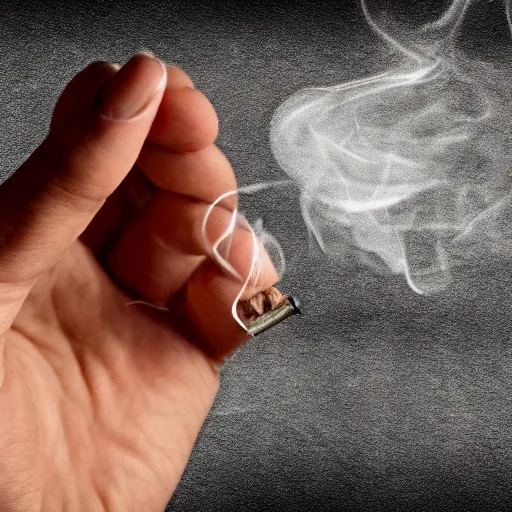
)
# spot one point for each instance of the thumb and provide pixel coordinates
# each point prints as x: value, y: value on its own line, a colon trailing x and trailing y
x: 97, y: 132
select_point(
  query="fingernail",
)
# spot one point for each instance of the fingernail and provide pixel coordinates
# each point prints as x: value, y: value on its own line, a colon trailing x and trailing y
x: 236, y: 265
x: 259, y: 251
x: 242, y: 222
x: 241, y: 225
x: 148, y: 53
x: 221, y: 250
x: 133, y: 88
x: 261, y: 263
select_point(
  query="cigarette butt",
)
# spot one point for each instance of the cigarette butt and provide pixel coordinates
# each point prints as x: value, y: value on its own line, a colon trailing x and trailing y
x: 265, y: 310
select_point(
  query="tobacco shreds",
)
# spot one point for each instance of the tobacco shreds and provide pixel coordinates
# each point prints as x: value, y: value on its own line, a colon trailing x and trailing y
x: 261, y: 303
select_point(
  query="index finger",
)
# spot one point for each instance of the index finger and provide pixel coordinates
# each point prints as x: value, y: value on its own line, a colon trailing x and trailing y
x: 180, y: 155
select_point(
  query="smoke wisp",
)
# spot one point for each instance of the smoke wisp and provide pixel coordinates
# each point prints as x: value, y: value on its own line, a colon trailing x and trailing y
x: 407, y: 170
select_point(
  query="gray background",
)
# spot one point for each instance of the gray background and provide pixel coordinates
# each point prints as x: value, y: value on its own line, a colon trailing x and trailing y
x: 376, y: 398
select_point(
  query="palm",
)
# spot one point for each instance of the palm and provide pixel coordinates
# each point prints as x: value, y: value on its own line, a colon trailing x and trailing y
x: 100, y: 390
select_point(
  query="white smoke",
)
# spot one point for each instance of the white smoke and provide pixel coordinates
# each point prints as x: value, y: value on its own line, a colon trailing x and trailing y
x: 409, y: 168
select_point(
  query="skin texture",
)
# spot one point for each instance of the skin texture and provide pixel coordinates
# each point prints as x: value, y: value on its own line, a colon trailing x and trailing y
x: 100, y: 401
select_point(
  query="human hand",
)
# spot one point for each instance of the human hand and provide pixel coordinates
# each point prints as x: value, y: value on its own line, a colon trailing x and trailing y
x: 100, y: 402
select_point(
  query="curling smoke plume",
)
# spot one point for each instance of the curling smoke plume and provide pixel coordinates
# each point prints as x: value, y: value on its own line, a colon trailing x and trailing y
x: 409, y: 169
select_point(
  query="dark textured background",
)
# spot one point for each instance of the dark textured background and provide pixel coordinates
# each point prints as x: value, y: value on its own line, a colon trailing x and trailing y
x: 375, y: 399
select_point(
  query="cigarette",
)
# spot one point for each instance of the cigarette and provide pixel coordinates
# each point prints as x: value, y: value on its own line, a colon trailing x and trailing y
x: 265, y: 310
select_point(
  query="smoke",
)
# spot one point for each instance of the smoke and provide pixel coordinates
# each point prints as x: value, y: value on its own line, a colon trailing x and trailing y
x: 407, y: 170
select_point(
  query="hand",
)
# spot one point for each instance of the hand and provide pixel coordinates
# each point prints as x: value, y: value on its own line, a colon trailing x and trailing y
x: 100, y: 401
